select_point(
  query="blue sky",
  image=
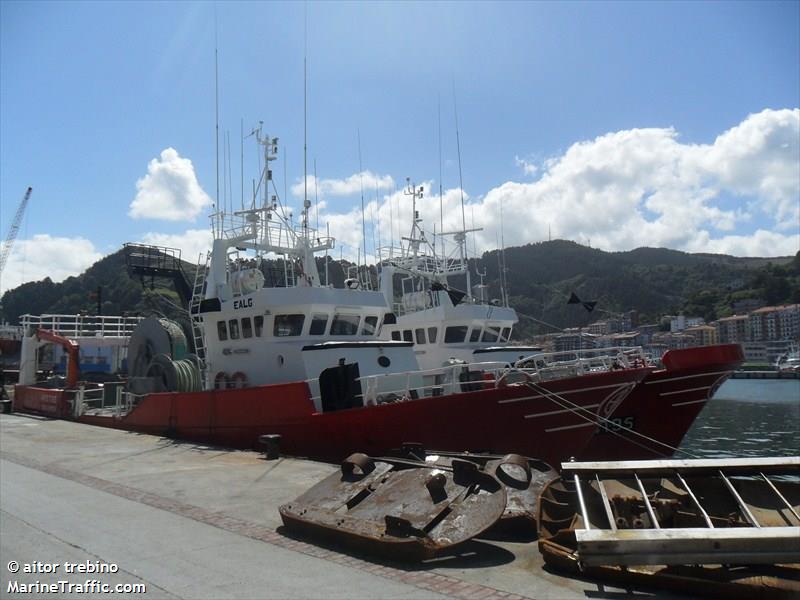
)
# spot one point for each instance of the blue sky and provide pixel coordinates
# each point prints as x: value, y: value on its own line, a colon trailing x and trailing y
x: 616, y: 124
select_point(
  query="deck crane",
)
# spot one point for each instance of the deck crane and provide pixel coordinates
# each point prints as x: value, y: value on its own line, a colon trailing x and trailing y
x: 12, y: 234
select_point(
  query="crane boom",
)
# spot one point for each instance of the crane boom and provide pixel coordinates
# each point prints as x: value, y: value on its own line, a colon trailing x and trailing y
x: 12, y: 234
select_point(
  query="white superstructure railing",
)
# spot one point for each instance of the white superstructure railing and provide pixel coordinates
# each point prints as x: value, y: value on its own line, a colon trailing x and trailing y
x: 73, y: 326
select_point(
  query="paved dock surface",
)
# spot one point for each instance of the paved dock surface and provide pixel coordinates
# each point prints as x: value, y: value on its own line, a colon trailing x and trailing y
x: 189, y: 521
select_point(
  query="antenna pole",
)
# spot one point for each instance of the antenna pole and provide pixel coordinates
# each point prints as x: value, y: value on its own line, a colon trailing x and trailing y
x: 241, y: 159
x: 327, y: 281
x: 391, y: 228
x: 216, y: 107
x: 316, y: 197
x: 363, y: 222
x: 306, y: 203
x: 378, y: 208
x: 441, y: 200
x: 463, y: 242
x: 503, y: 282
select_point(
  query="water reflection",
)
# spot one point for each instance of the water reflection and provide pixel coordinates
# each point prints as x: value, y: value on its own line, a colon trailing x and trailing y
x: 748, y: 418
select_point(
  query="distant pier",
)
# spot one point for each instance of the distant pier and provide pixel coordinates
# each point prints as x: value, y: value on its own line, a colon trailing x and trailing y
x: 766, y: 375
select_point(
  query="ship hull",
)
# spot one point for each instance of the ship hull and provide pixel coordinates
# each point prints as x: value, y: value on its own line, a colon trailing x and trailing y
x: 664, y: 405
x: 515, y: 418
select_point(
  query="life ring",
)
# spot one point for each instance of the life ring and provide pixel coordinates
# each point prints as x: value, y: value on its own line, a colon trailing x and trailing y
x: 221, y: 381
x: 238, y: 380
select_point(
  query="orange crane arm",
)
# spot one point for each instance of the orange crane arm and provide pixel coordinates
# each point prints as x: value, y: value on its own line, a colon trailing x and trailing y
x: 73, y: 353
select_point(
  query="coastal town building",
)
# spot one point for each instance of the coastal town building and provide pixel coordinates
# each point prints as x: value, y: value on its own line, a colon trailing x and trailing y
x: 734, y: 330
x: 704, y: 335
x: 681, y: 323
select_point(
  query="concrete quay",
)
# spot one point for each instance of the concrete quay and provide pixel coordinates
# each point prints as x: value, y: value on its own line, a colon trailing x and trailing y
x: 190, y: 521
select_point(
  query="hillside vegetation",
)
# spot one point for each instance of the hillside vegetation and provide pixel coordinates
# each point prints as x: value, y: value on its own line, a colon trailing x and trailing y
x: 653, y: 281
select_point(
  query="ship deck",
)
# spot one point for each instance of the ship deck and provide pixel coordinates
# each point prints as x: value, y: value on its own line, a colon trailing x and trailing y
x: 191, y: 521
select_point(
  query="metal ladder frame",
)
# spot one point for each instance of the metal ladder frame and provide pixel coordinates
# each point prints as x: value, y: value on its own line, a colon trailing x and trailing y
x: 753, y: 544
x: 198, y: 291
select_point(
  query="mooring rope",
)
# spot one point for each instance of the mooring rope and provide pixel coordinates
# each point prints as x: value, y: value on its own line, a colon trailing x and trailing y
x: 618, y: 429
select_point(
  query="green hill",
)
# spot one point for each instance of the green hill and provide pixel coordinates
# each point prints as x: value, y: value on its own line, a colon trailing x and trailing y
x: 653, y: 281
x: 119, y: 293
x: 541, y: 276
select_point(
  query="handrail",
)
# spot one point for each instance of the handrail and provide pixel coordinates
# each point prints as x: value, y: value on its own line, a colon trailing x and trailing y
x: 535, y: 368
x: 81, y: 325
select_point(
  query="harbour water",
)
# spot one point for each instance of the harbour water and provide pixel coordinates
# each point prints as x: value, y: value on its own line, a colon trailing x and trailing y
x: 748, y: 418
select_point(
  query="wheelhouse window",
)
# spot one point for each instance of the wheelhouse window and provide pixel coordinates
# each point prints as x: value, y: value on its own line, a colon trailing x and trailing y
x: 370, y: 324
x: 490, y: 334
x: 505, y: 334
x: 318, y: 325
x: 247, y: 328
x: 455, y: 334
x: 396, y: 335
x: 408, y: 335
x: 222, y: 331
x: 258, y: 322
x: 288, y: 325
x: 432, y: 332
x: 419, y: 334
x: 233, y: 328
x: 475, y: 334
x: 345, y: 324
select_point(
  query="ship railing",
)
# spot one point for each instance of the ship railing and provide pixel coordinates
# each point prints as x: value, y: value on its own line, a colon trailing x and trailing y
x: 275, y: 234
x: 73, y: 326
x: 429, y: 265
x: 449, y: 262
x: 404, y: 385
x: 103, y: 399
x: 585, y: 360
x: 88, y: 399
x: 465, y: 377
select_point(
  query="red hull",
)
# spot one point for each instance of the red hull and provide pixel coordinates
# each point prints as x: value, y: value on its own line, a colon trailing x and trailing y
x: 510, y: 419
x: 43, y: 401
x: 664, y: 405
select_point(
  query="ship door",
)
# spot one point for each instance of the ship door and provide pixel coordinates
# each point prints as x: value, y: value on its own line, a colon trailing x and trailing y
x: 340, y: 388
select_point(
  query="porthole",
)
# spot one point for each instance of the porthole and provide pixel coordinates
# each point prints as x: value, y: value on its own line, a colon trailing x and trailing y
x: 384, y: 361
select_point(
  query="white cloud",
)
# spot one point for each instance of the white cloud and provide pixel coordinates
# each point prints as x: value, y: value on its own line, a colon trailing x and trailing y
x: 761, y: 158
x: 169, y: 191
x: 345, y: 187
x: 626, y: 189
x: 46, y: 256
x: 191, y: 242
x: 527, y: 167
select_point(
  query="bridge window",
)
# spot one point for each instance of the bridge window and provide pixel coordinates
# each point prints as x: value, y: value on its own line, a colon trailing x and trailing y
x: 222, y: 331
x: 247, y: 328
x: 370, y: 323
x: 345, y: 324
x: 505, y: 334
x: 420, y: 335
x: 233, y: 327
x: 455, y: 334
x: 318, y: 325
x: 432, y: 332
x: 396, y: 335
x: 475, y: 335
x: 490, y: 334
x: 288, y: 325
x: 408, y: 336
x: 259, y: 325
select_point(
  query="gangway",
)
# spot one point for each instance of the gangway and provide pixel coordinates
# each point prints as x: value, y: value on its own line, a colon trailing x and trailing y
x: 158, y: 261
x: 678, y: 512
